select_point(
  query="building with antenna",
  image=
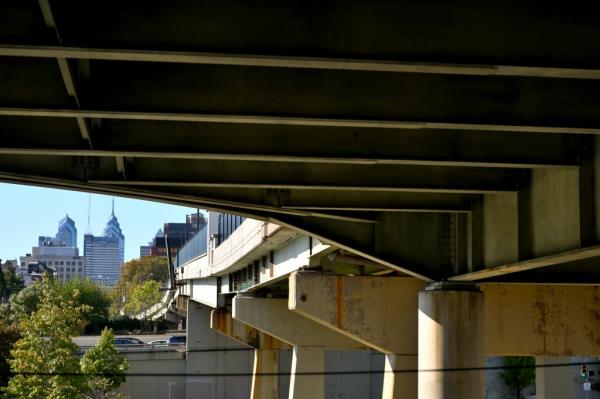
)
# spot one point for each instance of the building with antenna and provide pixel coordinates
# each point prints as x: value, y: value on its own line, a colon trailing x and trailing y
x: 105, y: 254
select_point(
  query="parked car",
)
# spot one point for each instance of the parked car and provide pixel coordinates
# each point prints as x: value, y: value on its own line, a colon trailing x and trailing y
x: 158, y: 342
x: 137, y: 341
x: 176, y: 340
x: 127, y: 341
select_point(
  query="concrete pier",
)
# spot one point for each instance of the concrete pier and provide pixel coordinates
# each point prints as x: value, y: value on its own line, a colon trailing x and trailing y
x: 451, y: 338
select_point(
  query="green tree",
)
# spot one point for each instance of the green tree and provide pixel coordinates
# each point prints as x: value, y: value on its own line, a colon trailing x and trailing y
x: 25, y: 302
x: 14, y: 281
x: 9, y: 334
x: 142, y: 298
x: 137, y: 271
x: 3, y: 294
x: 95, y: 297
x: 106, y: 369
x: 43, y: 359
x: 134, y: 273
x: 10, y: 283
x: 519, y: 373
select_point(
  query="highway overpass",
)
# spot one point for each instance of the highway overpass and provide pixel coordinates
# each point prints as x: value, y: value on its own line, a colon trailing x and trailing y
x: 452, y: 144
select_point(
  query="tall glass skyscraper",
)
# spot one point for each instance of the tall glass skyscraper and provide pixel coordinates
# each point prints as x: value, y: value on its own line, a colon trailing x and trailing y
x: 66, y: 235
x: 105, y: 254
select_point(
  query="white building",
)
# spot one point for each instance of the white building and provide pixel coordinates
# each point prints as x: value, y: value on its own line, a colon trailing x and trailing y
x: 65, y: 263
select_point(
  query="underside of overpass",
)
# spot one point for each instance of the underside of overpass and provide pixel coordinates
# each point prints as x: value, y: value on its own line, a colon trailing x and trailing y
x: 450, y: 142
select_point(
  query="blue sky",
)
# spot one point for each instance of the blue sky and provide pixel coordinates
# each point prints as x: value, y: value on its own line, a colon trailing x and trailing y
x: 27, y: 212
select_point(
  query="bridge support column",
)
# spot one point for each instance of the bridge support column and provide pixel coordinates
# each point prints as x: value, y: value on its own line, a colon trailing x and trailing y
x: 398, y: 385
x: 207, y: 355
x: 451, y: 336
x: 264, y: 374
x: 380, y: 312
x: 308, y: 367
x: 265, y: 383
x: 309, y: 339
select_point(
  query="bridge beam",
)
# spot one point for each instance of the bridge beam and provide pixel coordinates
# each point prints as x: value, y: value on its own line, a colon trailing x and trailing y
x: 379, y: 312
x: 266, y: 352
x: 308, y: 338
x: 209, y: 353
x: 541, y: 320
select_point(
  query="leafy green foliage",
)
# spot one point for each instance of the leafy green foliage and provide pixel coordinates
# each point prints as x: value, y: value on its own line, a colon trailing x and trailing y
x: 84, y: 292
x: 25, y: 302
x: 44, y: 359
x: 95, y: 297
x: 519, y: 373
x: 133, y: 274
x: 104, y: 366
x: 143, y: 297
x: 9, y: 334
x: 138, y: 271
x: 10, y: 283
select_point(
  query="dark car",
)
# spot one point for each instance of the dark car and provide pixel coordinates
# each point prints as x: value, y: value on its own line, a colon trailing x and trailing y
x: 176, y: 340
x: 128, y: 341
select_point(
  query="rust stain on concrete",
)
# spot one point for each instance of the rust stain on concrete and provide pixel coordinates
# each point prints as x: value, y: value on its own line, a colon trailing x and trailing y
x: 540, y: 309
x: 339, y: 297
x: 593, y: 315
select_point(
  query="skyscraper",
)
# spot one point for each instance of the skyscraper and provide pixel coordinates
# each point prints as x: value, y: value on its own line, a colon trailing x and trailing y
x: 105, y: 254
x: 66, y: 236
x: 67, y: 232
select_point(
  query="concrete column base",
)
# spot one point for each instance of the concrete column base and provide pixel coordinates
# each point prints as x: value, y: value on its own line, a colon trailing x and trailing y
x: 310, y: 360
x: 264, y: 374
x: 451, y: 337
x: 399, y: 385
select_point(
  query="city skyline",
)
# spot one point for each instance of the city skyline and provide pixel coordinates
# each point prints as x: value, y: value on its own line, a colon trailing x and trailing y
x: 28, y: 212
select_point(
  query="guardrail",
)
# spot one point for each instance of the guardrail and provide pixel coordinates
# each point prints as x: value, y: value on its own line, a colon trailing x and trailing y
x: 139, y: 348
x: 227, y: 224
x: 193, y: 248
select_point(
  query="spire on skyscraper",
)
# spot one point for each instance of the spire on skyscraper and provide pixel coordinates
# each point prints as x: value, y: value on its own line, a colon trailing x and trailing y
x: 113, y: 207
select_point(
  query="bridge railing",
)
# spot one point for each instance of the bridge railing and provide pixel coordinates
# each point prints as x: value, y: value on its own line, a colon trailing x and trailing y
x: 193, y: 248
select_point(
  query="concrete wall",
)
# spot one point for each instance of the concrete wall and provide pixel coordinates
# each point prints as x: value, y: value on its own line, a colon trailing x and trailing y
x: 349, y: 386
x: 552, y: 382
x: 155, y: 387
x: 207, y: 356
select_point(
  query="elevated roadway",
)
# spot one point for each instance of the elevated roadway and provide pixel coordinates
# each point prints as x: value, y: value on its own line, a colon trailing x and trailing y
x: 452, y: 143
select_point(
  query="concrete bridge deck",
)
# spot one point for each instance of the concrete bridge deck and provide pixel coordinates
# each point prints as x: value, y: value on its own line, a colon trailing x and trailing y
x: 444, y: 142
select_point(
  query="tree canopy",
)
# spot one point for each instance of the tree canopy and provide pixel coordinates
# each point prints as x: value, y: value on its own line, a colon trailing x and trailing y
x: 23, y: 303
x: 46, y: 347
x: 105, y: 366
x: 142, y: 298
x: 9, y: 334
x: 137, y: 271
x: 83, y: 291
x: 43, y: 360
x: 10, y: 283
x: 519, y: 373
x: 95, y: 297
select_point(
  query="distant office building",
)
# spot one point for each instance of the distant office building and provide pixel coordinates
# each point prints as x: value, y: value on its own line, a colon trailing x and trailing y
x: 177, y: 234
x: 63, y: 262
x: 67, y: 232
x: 58, y: 255
x: 66, y: 235
x: 105, y: 254
x: 145, y: 250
